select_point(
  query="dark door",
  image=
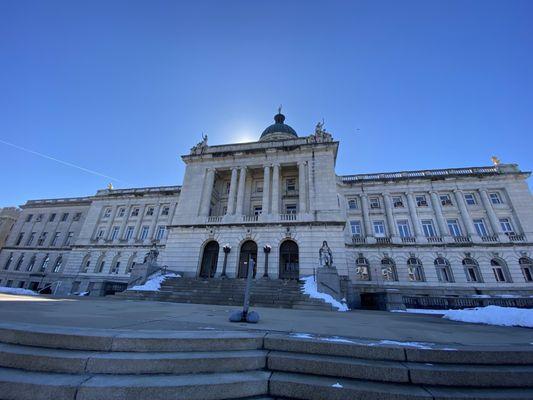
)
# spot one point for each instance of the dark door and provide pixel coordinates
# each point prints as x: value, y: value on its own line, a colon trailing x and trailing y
x: 209, y: 260
x: 289, y: 267
x: 248, y: 252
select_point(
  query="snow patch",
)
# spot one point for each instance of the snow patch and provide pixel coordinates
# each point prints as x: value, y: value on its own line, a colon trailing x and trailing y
x: 311, y: 290
x: 302, y: 335
x: 418, y: 345
x: 493, y: 315
x: 336, y: 339
x: 19, y: 291
x: 154, y: 284
x: 337, y: 385
x: 420, y: 311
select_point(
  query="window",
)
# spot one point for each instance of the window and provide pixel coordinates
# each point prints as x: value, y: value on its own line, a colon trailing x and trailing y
x: 165, y: 210
x: 355, y: 227
x: 31, y: 264
x: 454, y: 228
x: 100, y: 266
x: 481, y: 229
x: 129, y: 233
x: 388, y: 270
x: 19, y: 262
x: 101, y: 233
x: 107, y: 212
x: 77, y: 216
x: 64, y: 217
x: 19, y: 238
x: 121, y: 212
x: 114, y: 232
x: 507, y: 228
x: 397, y: 201
x: 495, y: 198
x: 470, y: 199
x: 374, y: 202
x: 421, y: 201
x: 39, y: 218
x: 30, y: 239
x: 45, y: 263
x: 415, y: 270
x: 362, y: 268
x: 29, y: 217
x: 259, y: 186
x: 290, y: 209
x: 160, y: 232
x: 445, y: 200
x: 499, y: 268
x: 130, y: 268
x: 8, y: 262
x: 258, y: 210
x: 428, y: 228
x: 473, y: 274
x: 379, y: 228
x: 444, y: 270
x: 144, y: 232
x: 403, y: 228
x: 135, y: 212
x: 526, y: 264
x: 116, y: 268
x: 52, y: 217
x: 352, y: 204
x: 85, y: 265
x: 228, y: 186
x: 290, y: 184
x: 55, y: 238
x: 57, y: 265
x: 150, y: 211
x: 69, y: 238
x: 42, y: 238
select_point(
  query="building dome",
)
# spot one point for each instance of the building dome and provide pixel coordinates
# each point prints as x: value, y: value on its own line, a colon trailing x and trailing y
x: 278, y: 131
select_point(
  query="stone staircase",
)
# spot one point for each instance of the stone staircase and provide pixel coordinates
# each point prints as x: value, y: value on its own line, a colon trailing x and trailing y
x: 264, y: 293
x: 38, y: 362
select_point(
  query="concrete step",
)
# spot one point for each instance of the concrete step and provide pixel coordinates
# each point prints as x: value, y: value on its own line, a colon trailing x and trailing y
x: 23, y: 385
x: 79, y: 362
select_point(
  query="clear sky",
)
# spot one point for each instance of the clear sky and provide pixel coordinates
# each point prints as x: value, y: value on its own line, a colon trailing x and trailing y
x: 124, y: 88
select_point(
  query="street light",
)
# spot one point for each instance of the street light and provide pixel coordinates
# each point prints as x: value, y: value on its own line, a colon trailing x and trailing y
x: 266, y: 249
x: 226, y: 249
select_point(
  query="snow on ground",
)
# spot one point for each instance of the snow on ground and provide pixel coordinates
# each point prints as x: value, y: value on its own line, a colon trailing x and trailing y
x: 311, y: 290
x: 154, y: 284
x: 418, y: 345
x: 493, y: 315
x: 9, y: 290
x: 337, y: 385
x: 421, y: 311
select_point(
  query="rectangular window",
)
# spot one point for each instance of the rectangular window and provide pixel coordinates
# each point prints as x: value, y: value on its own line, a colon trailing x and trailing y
x: 481, y: 229
x: 454, y: 228
x: 421, y: 201
x: 428, y: 228
x: 129, y: 233
x: 355, y: 227
x: 69, y: 238
x: 495, y: 198
x: 121, y: 212
x: 52, y: 217
x: 29, y: 217
x: 150, y: 211
x: 445, y: 200
x: 499, y: 274
x: 64, y: 217
x: 470, y: 199
x: 144, y: 232
x: 352, y: 204
x: 19, y: 239
x: 258, y: 210
x: 55, y: 239
x: 135, y: 212
x: 397, y: 201
x: 30, y: 239
x: 77, y: 216
x: 290, y: 184
x: 42, y: 238
x: 101, y: 233
x: 403, y: 228
x: 374, y: 202
x: 165, y: 210
x: 160, y: 232
x: 107, y: 212
x: 259, y: 187
x: 506, y: 225
x: 39, y: 218
x: 290, y: 209
x: 114, y: 232
x: 379, y: 228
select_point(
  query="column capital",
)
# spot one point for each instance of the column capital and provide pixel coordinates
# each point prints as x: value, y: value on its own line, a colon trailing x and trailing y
x: 457, y: 191
x: 363, y: 195
x: 276, y: 164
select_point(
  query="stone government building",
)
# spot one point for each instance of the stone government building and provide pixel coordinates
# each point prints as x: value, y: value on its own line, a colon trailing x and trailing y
x: 451, y: 231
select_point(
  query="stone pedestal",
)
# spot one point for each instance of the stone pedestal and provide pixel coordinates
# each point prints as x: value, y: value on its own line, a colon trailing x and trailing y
x: 140, y: 273
x: 328, y: 281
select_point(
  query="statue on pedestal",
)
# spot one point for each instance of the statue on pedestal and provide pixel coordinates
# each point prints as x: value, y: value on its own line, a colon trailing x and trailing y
x: 325, y: 255
x: 151, y: 257
x: 200, y: 147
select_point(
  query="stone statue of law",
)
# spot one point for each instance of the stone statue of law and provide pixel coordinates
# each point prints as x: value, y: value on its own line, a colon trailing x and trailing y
x: 325, y: 255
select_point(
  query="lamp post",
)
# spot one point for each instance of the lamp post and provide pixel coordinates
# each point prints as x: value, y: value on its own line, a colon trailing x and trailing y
x: 266, y: 249
x: 226, y: 249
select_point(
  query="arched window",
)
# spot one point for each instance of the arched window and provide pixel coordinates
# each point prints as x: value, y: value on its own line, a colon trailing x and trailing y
x: 526, y: 264
x: 388, y: 269
x: 45, y: 263
x: 500, y: 270
x: 100, y: 264
x: 8, y: 262
x: 444, y: 270
x: 115, y: 264
x: 57, y: 265
x: 31, y: 264
x: 473, y: 274
x: 85, y: 264
x: 131, y: 263
x: 208, y: 267
x: 415, y: 270
x: 362, y: 268
x: 19, y: 262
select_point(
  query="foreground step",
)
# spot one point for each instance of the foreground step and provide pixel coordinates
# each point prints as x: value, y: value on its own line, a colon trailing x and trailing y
x: 24, y: 385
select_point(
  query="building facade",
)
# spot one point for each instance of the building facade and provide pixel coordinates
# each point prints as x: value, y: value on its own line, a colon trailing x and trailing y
x: 452, y: 231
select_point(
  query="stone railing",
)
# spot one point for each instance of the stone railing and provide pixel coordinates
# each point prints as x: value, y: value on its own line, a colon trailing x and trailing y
x: 434, y: 239
x: 408, y: 239
x: 517, y: 238
x: 358, y: 239
x: 461, y: 239
x: 250, y: 218
x: 383, y: 240
x: 489, y: 239
x: 213, y: 219
x: 444, y: 303
x: 288, y: 217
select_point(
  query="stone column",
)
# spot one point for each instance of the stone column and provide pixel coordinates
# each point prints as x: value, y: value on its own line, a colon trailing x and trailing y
x: 151, y: 231
x: 366, y: 215
x: 240, y: 192
x: 124, y: 222
x: 302, y: 189
x: 470, y: 229
x: 414, y: 216
x: 441, y: 222
x: 393, y: 229
x: 139, y: 221
x: 275, y: 189
x: 232, y: 191
x: 208, y: 192
x: 493, y: 219
x: 266, y: 190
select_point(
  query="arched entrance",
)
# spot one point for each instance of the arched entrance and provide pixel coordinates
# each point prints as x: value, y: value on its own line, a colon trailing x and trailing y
x: 248, y: 251
x: 209, y: 260
x: 289, y: 265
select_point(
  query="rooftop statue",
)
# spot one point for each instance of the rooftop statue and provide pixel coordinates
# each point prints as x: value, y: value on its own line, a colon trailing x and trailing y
x: 200, y: 147
x: 320, y: 135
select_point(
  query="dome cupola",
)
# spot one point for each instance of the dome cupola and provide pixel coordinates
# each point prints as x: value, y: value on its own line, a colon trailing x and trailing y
x: 279, y: 130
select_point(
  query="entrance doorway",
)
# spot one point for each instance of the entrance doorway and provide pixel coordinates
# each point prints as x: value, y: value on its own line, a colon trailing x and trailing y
x: 289, y: 266
x: 248, y: 252
x: 209, y: 260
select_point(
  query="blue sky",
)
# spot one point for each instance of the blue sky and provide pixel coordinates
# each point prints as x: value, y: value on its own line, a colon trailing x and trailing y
x: 124, y: 88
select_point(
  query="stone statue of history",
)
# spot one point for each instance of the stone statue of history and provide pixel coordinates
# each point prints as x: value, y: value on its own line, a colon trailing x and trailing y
x: 325, y: 255
x: 151, y: 257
